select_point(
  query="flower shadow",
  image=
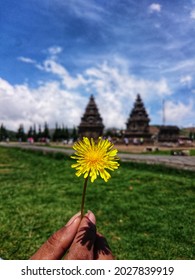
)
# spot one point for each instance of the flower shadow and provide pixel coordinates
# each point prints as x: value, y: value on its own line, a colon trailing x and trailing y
x: 101, y: 246
x: 88, y: 237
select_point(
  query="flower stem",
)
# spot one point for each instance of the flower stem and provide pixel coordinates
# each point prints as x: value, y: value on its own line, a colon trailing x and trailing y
x: 83, y: 196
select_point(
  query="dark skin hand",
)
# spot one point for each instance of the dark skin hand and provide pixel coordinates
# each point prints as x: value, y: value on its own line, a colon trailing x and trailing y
x: 77, y: 240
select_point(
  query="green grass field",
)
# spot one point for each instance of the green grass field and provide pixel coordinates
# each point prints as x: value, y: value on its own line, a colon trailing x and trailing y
x: 145, y: 211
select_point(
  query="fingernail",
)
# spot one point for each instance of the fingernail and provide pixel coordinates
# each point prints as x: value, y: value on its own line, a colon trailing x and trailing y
x: 73, y: 219
x: 91, y: 216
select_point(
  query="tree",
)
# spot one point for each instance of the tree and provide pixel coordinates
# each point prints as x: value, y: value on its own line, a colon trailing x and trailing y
x: 66, y: 134
x: 45, y: 133
x: 21, y: 136
x: 74, y: 134
x: 39, y: 135
x: 3, y: 133
x: 30, y: 132
x: 35, y: 133
x: 57, y: 132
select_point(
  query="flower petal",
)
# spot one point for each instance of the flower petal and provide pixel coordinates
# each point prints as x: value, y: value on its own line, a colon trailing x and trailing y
x: 95, y: 157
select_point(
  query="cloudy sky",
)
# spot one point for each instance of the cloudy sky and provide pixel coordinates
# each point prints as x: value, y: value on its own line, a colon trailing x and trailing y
x: 55, y: 53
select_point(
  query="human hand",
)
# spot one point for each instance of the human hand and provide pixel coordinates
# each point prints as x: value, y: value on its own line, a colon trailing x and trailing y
x: 78, y: 239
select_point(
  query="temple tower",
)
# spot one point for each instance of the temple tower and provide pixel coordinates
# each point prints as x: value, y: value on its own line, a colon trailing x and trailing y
x: 91, y: 122
x: 168, y: 133
x: 138, y: 122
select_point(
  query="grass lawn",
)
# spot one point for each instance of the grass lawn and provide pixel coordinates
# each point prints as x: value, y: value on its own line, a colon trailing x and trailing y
x: 145, y: 211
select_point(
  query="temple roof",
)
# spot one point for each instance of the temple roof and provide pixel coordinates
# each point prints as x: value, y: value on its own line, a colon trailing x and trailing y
x: 138, y: 121
x: 91, y: 116
x: 139, y: 112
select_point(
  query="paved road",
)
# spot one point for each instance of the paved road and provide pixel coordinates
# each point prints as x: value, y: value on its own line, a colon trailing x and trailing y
x: 184, y: 162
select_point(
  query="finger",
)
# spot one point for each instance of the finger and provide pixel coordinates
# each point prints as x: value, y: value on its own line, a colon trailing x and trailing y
x: 56, y: 246
x: 102, y: 250
x: 83, y: 244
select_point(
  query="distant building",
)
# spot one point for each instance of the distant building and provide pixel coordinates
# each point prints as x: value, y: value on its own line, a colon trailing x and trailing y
x: 138, y: 122
x: 91, y: 122
x: 168, y: 133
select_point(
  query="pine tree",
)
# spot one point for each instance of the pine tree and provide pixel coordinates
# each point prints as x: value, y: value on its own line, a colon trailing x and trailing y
x: 3, y: 133
x: 30, y: 132
x: 56, y: 134
x: 66, y: 134
x: 21, y: 136
x: 46, y: 131
x: 35, y: 133
x: 74, y: 134
x: 39, y: 135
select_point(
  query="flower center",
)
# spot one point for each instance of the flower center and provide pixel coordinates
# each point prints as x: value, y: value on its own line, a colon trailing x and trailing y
x: 93, y: 157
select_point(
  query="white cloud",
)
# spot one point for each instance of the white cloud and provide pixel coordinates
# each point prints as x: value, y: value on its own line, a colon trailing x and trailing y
x: 68, y: 81
x: 86, y: 9
x: 55, y: 50
x: 106, y: 78
x: 192, y: 14
x: 65, y: 97
x: 47, y: 102
x: 183, y: 65
x: 5, y: 88
x: 116, y: 91
x: 178, y: 112
x: 155, y: 7
x: 186, y: 80
x: 26, y: 60
x: 52, y: 51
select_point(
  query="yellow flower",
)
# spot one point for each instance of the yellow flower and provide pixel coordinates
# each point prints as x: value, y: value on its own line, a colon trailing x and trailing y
x: 94, y: 158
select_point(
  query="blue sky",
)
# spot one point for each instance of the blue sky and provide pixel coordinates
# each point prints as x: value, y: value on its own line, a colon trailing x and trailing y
x: 56, y: 53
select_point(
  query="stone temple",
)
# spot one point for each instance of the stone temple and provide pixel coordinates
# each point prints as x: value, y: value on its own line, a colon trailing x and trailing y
x: 137, y: 126
x: 168, y: 133
x: 91, y: 122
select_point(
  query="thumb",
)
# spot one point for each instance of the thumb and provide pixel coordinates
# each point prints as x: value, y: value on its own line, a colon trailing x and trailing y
x: 83, y: 243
